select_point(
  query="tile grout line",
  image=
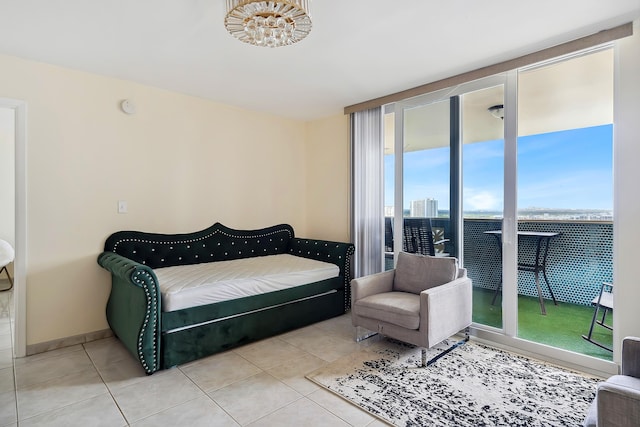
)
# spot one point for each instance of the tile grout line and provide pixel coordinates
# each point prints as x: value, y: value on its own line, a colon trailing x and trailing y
x: 207, y: 395
x: 13, y: 364
x: 106, y: 386
x: 211, y: 398
x: 18, y: 420
x: 128, y: 423
x: 282, y: 407
x: 262, y: 371
x: 15, y: 387
x: 302, y: 396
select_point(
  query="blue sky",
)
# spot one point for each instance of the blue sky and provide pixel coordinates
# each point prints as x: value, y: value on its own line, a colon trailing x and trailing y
x: 567, y: 169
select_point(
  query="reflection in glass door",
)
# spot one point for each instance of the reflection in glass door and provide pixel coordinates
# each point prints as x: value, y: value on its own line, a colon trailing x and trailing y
x: 389, y: 187
x: 482, y: 201
x: 418, y: 186
x: 426, y: 166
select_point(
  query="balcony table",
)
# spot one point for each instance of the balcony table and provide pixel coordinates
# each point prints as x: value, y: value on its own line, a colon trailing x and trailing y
x: 540, y: 263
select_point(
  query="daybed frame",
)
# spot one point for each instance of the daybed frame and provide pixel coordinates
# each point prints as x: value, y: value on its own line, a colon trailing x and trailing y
x: 160, y: 340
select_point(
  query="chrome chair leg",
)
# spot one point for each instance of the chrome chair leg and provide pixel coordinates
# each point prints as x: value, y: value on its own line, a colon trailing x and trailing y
x: 434, y: 359
x: 362, y: 334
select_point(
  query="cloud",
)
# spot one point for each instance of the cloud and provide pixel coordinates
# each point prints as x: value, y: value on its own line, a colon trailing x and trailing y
x: 481, y: 200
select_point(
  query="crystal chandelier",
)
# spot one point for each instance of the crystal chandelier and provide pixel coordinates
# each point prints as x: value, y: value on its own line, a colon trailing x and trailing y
x: 268, y: 23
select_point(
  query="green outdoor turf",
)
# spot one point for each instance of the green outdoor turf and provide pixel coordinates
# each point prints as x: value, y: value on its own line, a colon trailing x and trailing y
x: 562, y: 327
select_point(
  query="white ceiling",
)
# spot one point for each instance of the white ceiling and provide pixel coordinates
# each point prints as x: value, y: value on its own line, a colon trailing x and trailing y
x: 357, y: 49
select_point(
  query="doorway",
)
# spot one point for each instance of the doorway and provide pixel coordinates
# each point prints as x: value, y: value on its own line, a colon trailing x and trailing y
x: 13, y: 150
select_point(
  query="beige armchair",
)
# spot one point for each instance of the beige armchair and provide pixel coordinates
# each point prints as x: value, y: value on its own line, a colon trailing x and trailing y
x: 423, y: 301
x: 617, y: 402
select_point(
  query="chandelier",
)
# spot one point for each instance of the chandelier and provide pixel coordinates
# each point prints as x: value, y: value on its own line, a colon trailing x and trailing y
x: 268, y: 23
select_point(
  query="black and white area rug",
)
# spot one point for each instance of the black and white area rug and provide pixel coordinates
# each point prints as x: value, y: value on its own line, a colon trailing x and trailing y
x: 472, y: 386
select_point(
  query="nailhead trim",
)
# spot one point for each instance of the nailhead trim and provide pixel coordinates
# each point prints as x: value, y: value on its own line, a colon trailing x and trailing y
x: 177, y: 242
x: 248, y: 240
x: 149, y: 315
x: 301, y: 250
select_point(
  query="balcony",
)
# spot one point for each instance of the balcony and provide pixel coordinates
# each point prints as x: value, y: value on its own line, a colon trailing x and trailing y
x: 579, y: 260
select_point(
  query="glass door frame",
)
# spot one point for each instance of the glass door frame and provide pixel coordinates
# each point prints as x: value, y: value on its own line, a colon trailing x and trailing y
x: 399, y: 109
x: 507, y: 336
x: 509, y: 224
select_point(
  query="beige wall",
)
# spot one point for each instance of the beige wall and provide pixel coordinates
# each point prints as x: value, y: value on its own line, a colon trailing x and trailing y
x: 328, y: 183
x: 180, y: 162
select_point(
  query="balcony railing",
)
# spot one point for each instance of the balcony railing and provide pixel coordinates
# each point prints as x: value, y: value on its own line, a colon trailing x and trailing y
x: 580, y: 258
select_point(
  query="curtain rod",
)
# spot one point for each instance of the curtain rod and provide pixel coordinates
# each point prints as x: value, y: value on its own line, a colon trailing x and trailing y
x: 592, y: 40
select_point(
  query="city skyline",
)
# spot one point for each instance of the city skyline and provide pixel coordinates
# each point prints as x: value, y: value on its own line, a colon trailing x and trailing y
x: 569, y: 169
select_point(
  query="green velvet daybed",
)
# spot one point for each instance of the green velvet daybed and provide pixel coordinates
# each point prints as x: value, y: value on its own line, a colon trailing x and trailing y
x: 161, y: 338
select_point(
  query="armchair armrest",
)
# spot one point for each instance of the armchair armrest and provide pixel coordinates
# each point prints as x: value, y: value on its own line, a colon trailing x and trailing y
x: 631, y: 356
x: 618, y: 402
x: 133, y: 309
x: 378, y: 283
x: 446, y: 309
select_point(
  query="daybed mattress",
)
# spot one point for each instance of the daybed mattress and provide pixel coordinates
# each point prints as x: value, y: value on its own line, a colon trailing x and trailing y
x: 187, y: 286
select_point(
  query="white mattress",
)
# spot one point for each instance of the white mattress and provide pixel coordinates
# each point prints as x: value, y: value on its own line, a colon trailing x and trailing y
x: 199, y: 284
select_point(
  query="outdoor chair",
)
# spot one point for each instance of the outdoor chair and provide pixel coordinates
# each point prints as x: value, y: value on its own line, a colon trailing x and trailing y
x: 423, y: 301
x: 388, y: 234
x: 602, y: 302
x: 419, y: 237
x: 617, y: 402
x: 6, y: 257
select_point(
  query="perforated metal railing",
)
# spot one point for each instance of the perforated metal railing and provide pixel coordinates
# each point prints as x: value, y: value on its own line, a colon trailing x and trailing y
x: 579, y: 259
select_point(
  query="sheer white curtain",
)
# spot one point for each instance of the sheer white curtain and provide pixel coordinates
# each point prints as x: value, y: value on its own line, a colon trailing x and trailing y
x: 368, y: 202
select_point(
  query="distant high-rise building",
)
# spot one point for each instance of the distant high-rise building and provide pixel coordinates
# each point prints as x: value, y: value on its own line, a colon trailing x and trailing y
x: 425, y: 208
x: 388, y: 210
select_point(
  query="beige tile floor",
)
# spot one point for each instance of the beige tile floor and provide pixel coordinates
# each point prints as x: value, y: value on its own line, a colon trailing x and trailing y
x: 260, y: 384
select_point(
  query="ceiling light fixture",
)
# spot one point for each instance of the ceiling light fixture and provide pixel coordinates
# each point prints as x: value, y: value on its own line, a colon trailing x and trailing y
x: 497, y: 111
x: 268, y: 23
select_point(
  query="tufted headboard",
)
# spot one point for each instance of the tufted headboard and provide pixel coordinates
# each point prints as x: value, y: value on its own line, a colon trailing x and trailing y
x: 216, y: 243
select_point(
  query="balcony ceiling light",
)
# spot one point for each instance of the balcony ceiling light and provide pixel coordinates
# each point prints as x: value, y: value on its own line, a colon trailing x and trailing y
x: 268, y: 23
x: 497, y: 111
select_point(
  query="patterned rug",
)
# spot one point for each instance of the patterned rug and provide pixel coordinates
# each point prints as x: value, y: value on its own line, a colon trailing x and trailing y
x: 472, y: 386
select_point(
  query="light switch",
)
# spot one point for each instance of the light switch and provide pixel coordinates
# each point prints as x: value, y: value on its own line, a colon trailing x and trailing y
x: 122, y: 206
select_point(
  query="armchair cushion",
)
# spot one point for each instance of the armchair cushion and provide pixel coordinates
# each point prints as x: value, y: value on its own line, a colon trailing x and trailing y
x: 398, y: 308
x: 415, y: 273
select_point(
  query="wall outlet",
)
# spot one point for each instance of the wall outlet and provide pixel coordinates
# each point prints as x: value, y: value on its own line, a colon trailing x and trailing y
x: 122, y: 206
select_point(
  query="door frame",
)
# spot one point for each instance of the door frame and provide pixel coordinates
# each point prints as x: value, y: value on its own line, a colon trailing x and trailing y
x: 20, y: 263
x: 506, y: 337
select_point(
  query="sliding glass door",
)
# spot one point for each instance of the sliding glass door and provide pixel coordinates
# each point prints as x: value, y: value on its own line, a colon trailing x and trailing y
x: 565, y: 201
x: 417, y: 169
x: 483, y: 163
x: 514, y: 173
x: 444, y: 163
